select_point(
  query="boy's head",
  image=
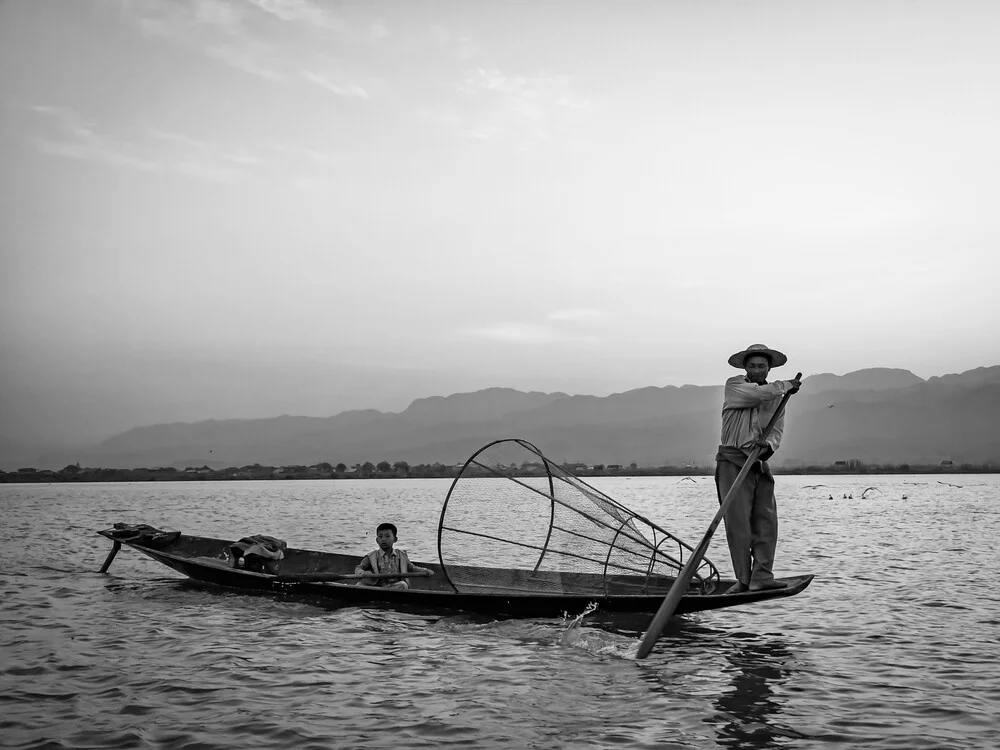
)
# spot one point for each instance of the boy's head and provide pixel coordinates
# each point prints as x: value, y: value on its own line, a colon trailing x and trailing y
x: 385, y: 535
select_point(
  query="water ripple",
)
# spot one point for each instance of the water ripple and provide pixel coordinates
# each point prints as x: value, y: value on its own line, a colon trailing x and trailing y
x: 882, y: 651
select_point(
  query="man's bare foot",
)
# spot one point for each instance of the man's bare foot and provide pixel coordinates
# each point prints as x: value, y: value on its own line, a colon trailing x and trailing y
x: 766, y: 585
x: 736, y: 588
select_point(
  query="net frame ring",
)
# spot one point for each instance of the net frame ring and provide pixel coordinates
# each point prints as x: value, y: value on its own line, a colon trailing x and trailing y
x: 530, y: 447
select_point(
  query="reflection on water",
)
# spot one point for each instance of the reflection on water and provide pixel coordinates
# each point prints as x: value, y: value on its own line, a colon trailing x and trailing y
x: 740, y: 676
x: 749, y: 710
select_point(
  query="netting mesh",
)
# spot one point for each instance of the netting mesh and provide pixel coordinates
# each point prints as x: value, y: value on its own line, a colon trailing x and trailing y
x: 514, y: 521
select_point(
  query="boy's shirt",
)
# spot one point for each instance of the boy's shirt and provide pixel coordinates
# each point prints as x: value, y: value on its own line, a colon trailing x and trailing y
x: 388, y: 562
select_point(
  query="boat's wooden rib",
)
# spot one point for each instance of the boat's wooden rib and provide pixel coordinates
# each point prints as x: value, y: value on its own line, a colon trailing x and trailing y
x: 499, y: 591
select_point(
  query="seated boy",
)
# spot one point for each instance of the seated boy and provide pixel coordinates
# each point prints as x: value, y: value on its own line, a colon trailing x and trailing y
x: 386, y: 560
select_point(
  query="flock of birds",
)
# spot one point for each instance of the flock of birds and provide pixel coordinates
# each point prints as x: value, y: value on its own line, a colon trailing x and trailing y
x: 848, y: 495
x: 864, y: 493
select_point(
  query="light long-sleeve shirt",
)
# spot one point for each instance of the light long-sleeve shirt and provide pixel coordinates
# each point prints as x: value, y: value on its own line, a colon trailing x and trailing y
x: 746, y: 410
x: 388, y: 563
x: 394, y: 561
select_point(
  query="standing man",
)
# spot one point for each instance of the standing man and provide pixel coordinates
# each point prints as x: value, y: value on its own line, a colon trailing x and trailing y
x: 752, y: 517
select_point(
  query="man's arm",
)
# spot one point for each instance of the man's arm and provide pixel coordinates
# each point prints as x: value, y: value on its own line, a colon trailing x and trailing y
x: 773, y: 442
x: 741, y: 394
x: 774, y: 439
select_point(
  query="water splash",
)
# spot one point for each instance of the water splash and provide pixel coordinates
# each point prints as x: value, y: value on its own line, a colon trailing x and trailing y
x: 596, y: 642
x: 575, y: 622
x: 571, y: 627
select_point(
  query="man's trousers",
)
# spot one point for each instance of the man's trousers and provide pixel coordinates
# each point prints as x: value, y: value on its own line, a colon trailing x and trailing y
x: 751, y: 520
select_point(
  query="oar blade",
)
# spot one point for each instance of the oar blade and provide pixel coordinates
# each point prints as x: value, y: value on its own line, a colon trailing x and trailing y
x: 663, y: 615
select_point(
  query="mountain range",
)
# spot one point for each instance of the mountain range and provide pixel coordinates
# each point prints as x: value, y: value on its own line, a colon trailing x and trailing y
x: 876, y: 415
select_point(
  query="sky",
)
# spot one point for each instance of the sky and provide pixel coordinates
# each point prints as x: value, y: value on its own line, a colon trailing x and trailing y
x: 244, y: 208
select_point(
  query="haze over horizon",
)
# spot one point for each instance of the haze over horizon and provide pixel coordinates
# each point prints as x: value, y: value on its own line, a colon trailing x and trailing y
x: 243, y: 208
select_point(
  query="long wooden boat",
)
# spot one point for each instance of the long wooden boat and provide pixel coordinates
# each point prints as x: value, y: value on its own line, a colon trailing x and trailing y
x: 503, y: 591
x: 551, y: 544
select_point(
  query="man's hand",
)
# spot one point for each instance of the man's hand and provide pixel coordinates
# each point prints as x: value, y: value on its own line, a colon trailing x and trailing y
x: 766, y: 451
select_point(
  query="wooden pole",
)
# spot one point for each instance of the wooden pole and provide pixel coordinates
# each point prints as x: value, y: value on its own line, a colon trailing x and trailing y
x: 680, y: 585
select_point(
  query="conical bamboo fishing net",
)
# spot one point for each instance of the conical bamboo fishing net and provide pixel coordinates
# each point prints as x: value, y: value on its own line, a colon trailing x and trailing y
x: 514, y: 521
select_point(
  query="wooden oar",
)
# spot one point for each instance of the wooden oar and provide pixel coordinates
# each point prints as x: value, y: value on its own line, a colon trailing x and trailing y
x: 680, y: 585
x: 321, y: 577
x: 118, y: 545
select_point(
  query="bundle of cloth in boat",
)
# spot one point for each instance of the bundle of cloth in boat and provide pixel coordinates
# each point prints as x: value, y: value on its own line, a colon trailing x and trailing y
x: 144, y: 534
x: 258, y: 553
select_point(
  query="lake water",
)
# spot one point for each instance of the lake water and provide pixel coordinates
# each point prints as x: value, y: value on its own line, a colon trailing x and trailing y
x: 896, y: 644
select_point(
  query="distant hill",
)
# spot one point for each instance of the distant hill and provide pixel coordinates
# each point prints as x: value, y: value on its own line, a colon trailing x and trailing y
x: 871, y: 379
x: 873, y: 415
x: 979, y: 376
x: 492, y: 403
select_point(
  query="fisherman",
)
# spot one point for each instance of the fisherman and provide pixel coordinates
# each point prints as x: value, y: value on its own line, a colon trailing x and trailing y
x: 752, y: 517
x: 386, y: 560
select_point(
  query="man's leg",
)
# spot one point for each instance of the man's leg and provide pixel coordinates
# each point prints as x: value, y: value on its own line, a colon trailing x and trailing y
x: 764, y: 530
x: 737, y: 518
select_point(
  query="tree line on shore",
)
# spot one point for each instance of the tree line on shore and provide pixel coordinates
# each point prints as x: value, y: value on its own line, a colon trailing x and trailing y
x: 402, y: 469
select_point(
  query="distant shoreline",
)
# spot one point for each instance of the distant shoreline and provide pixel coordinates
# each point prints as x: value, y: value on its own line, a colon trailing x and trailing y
x: 401, y: 470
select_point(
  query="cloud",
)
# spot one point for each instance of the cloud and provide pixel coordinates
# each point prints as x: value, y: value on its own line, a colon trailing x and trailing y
x: 206, y: 171
x: 531, y: 108
x: 79, y: 138
x: 531, y: 92
x: 298, y: 165
x: 66, y: 133
x: 235, y: 156
x: 181, y: 19
x: 319, y: 17
x: 569, y: 325
x: 196, y: 158
x: 527, y: 333
x: 340, y: 89
x: 214, y: 26
x: 579, y: 315
x: 308, y: 155
x: 300, y: 11
x: 463, y: 47
x: 76, y: 137
x: 91, y: 151
x: 242, y: 57
x: 218, y: 13
x: 467, y: 48
x: 231, y: 34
